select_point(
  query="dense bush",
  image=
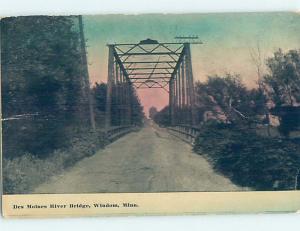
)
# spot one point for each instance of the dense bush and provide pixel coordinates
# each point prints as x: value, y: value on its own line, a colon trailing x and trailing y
x: 42, y: 94
x: 249, y: 160
x: 289, y: 119
x: 23, y: 173
x: 118, y: 109
x: 163, y: 117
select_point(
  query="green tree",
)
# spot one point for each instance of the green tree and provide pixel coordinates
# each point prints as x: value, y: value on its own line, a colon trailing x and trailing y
x: 99, y: 94
x: 152, y: 112
x: 163, y: 117
x: 137, y: 110
x: 99, y: 91
x: 283, y: 81
x: 282, y: 85
x: 41, y: 83
x: 117, y: 107
x: 228, y: 95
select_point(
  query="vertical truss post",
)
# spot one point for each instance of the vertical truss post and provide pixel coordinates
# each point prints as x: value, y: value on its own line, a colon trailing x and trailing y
x: 183, y: 83
x: 188, y: 94
x: 125, y: 93
x: 120, y: 100
x: 126, y: 99
x: 129, y: 99
x: 120, y: 95
x: 183, y: 106
x: 117, y: 89
x: 187, y: 84
x: 189, y: 72
x: 179, y: 88
x: 171, y: 102
x: 175, y: 98
x: 110, y: 82
x: 186, y: 103
x: 179, y: 96
x: 123, y: 100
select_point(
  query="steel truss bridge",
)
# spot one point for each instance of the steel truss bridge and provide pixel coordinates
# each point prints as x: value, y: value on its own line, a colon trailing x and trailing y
x: 150, y: 64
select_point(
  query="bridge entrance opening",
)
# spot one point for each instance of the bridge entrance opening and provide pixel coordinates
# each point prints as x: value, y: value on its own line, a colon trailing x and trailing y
x: 150, y: 64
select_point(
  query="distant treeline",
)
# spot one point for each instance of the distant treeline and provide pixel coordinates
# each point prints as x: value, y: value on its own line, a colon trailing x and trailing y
x: 45, y: 102
x: 99, y: 96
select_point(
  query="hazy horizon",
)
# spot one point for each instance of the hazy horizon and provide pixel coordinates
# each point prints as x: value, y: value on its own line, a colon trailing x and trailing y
x: 227, y: 40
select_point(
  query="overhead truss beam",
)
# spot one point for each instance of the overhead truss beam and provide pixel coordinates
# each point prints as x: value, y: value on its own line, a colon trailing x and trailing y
x: 149, y: 53
x: 150, y: 64
x: 150, y: 68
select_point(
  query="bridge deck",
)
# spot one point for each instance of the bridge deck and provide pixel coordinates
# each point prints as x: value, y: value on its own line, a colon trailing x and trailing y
x: 150, y: 160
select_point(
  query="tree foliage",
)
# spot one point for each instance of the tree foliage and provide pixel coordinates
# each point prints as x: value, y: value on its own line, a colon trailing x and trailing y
x: 137, y: 110
x: 41, y: 82
x: 118, y: 107
x: 228, y: 96
x: 152, y: 112
x: 163, y: 117
x: 249, y: 160
x: 282, y: 85
x: 283, y: 81
x: 99, y: 96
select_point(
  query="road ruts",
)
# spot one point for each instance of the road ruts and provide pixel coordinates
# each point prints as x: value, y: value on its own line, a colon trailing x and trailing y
x: 150, y: 160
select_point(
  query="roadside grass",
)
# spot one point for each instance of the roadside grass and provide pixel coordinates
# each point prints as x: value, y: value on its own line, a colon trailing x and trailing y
x: 249, y: 159
x: 22, y: 174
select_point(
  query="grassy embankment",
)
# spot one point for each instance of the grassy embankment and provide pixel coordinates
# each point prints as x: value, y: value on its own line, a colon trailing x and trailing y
x: 22, y: 174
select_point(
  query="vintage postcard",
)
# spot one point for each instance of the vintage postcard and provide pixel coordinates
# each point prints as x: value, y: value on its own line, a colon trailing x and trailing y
x: 150, y: 114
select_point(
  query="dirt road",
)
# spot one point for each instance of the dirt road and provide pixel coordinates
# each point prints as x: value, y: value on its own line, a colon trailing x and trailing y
x: 150, y: 160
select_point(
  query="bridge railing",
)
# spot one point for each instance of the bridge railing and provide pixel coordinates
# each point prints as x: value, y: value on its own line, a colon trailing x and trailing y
x: 185, y: 132
x: 114, y: 133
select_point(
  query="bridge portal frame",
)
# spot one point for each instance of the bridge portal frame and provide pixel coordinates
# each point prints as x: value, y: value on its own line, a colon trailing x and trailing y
x: 174, y: 75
